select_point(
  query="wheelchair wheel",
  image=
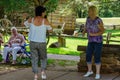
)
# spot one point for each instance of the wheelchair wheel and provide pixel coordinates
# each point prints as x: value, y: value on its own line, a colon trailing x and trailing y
x: 26, y: 59
x: 21, y: 59
x: 9, y: 58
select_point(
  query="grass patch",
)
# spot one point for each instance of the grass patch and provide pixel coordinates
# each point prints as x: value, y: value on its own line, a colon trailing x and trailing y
x: 115, y: 36
x: 63, y: 51
x: 50, y: 61
x: 115, y: 33
x: 72, y: 43
x: 61, y: 62
x: 71, y: 46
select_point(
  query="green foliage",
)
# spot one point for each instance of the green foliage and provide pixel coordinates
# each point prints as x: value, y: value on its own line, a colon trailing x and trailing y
x: 110, y: 9
x: 106, y: 8
x: 13, y: 5
x: 115, y: 7
x: 106, y: 13
x: 51, y: 5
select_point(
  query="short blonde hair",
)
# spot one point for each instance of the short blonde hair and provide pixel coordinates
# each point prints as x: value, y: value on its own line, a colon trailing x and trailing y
x: 93, y: 8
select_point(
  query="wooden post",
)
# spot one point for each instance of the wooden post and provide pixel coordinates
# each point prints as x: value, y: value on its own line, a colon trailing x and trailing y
x: 62, y: 41
x: 1, y: 12
x: 108, y: 37
x: 114, y: 27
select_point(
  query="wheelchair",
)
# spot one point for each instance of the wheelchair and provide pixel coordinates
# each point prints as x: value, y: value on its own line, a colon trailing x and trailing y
x: 23, y: 56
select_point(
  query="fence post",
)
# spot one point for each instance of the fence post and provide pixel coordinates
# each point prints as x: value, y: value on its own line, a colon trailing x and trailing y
x: 108, y: 37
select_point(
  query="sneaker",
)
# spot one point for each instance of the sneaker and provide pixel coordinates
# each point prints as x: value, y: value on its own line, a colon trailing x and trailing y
x: 88, y: 74
x: 35, y: 79
x: 43, y: 76
x: 97, y: 76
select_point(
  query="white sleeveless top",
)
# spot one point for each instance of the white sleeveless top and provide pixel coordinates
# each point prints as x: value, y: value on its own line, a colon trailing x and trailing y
x: 37, y: 33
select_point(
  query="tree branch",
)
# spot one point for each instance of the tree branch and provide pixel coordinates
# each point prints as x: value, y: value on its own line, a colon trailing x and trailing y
x: 36, y: 2
x: 45, y: 1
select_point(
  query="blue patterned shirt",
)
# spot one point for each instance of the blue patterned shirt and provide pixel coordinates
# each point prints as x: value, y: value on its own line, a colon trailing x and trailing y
x: 92, y: 27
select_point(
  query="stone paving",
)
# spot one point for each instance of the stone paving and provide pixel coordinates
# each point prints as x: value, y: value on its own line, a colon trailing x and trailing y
x: 63, y: 57
x: 26, y: 74
x: 56, y: 74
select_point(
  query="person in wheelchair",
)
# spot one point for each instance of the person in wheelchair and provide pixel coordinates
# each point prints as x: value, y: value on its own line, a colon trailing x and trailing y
x: 14, y: 45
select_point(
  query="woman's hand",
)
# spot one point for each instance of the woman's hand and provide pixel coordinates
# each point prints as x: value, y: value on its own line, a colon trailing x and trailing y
x: 101, y: 28
x: 30, y: 20
x: 92, y: 34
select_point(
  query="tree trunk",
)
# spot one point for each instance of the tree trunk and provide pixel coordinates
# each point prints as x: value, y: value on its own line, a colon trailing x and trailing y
x: 40, y: 2
x: 1, y: 12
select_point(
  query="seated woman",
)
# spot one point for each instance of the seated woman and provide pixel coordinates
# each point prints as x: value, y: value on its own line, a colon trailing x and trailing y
x: 14, y: 45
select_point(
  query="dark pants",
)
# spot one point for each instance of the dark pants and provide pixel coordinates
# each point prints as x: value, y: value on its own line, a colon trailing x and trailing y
x: 95, y: 49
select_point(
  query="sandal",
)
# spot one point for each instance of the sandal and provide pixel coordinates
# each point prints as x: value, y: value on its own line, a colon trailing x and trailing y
x: 35, y: 78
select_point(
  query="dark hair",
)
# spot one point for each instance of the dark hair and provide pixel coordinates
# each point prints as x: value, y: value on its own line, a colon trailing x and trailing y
x: 39, y: 10
x: 45, y: 17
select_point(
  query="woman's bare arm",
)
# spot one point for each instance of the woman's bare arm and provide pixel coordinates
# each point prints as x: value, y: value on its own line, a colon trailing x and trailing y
x: 48, y: 25
x: 27, y: 23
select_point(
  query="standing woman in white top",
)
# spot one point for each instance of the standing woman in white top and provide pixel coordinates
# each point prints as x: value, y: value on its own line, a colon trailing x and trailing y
x: 37, y: 36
